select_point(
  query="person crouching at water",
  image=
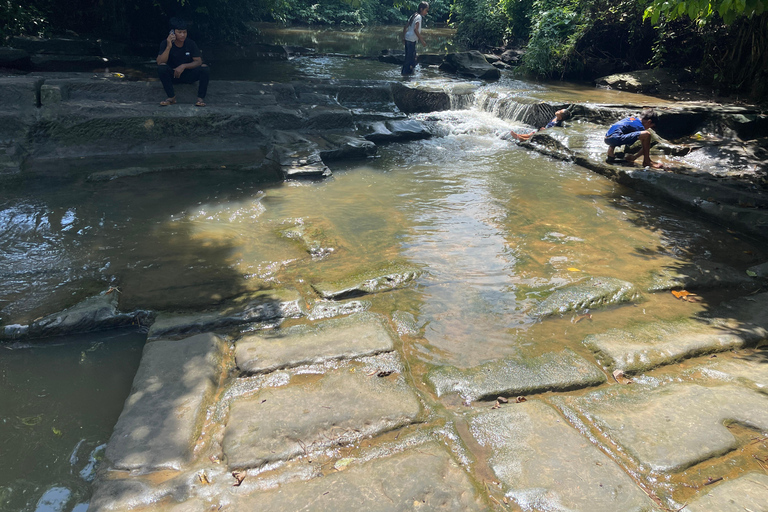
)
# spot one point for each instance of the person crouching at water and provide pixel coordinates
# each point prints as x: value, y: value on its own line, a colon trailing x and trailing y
x: 179, y: 61
x: 560, y: 116
x: 627, y: 131
x: 411, y: 34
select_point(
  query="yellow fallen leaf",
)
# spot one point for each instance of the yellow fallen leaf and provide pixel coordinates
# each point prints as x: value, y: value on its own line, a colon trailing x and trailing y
x: 573, y: 270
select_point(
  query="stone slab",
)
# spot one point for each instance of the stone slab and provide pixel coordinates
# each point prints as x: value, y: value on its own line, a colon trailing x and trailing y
x: 749, y: 368
x: 554, y: 371
x: 673, y: 427
x: 421, y: 478
x: 358, y: 335
x: 374, y: 281
x: 264, y: 306
x: 342, y: 407
x: 590, y: 293
x: 746, y: 493
x: 698, y: 275
x: 20, y: 92
x: 545, y: 464
x: 163, y: 415
x: 92, y: 314
x: 650, y: 345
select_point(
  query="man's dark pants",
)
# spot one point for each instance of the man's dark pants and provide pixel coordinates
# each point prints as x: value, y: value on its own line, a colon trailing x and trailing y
x: 188, y: 76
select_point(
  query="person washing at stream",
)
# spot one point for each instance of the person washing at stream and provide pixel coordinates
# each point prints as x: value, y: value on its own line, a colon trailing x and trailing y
x: 560, y: 116
x: 411, y: 34
x: 627, y: 131
x: 179, y: 61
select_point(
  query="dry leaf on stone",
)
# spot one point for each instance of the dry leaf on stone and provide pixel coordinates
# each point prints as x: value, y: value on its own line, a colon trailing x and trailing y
x: 203, y: 478
x: 619, y: 377
x: 239, y: 477
x: 520, y: 399
x: 496, y: 405
x: 502, y: 400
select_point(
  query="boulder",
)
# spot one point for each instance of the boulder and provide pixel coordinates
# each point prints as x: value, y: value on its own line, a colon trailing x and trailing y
x: 471, y: 63
x: 420, y: 98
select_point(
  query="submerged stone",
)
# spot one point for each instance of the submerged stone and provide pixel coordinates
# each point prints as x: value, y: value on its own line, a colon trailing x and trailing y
x: 373, y: 281
x: 745, y: 313
x: 342, y: 407
x: 420, y: 478
x: 358, y: 335
x: 560, y: 371
x: 93, y: 314
x: 748, y: 492
x: 591, y: 293
x: 671, y: 428
x: 331, y: 308
x: 314, y: 239
x: 647, y: 346
x: 262, y: 307
x: 164, y: 413
x: 699, y: 274
x: 545, y: 464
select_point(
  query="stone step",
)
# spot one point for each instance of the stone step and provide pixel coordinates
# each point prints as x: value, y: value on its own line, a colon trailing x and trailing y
x: 340, y: 408
x: 359, y: 335
x: 670, y: 428
x: 561, y: 371
x: 545, y: 464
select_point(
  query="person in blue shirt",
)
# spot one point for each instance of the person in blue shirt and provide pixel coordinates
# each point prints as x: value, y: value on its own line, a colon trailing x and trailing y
x: 628, y: 131
x: 560, y: 116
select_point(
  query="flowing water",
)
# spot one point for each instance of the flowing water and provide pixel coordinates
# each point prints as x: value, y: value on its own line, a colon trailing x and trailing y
x: 494, y: 226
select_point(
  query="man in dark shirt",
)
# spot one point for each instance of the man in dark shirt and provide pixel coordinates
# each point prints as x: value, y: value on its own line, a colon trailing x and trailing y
x: 179, y: 61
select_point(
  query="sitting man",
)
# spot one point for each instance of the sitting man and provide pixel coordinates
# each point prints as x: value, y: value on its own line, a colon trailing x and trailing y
x: 627, y: 131
x: 560, y: 116
x: 179, y: 62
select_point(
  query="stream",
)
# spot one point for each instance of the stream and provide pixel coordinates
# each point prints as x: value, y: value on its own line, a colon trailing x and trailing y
x: 494, y: 227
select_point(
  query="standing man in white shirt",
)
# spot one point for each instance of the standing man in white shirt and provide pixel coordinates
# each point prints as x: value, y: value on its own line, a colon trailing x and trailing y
x: 411, y: 34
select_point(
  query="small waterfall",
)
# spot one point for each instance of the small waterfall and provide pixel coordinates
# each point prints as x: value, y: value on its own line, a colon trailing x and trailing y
x: 504, y: 105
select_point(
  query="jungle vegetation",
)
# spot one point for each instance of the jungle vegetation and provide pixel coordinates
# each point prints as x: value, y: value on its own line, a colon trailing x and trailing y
x: 722, y: 42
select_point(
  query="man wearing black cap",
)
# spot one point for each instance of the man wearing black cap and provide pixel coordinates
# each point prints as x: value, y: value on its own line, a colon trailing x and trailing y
x: 179, y: 61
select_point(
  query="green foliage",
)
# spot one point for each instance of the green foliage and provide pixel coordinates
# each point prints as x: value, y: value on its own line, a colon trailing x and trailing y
x: 554, y: 33
x: 479, y: 22
x: 704, y: 10
x: 17, y: 19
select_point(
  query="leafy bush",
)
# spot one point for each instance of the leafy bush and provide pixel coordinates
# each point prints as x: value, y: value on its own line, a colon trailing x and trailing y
x: 17, y: 19
x: 479, y: 23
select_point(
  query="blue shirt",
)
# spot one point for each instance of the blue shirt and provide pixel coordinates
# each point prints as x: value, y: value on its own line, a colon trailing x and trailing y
x: 626, y: 125
x: 554, y: 122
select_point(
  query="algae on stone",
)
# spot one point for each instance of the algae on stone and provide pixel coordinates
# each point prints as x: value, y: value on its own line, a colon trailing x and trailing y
x: 390, y: 277
x: 590, y: 293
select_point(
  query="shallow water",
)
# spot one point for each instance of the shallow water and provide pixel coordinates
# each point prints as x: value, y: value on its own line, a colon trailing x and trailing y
x: 494, y: 226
